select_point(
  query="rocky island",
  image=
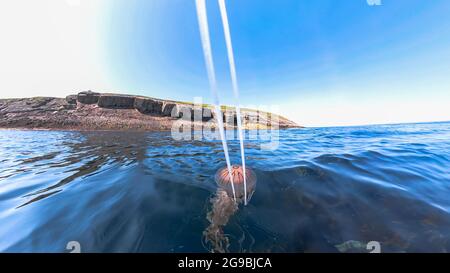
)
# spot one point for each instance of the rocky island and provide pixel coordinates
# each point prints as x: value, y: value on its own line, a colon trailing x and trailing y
x: 104, y: 111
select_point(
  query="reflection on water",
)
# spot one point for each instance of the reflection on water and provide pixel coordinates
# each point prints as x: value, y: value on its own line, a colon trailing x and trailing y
x: 323, y: 190
x: 99, y: 148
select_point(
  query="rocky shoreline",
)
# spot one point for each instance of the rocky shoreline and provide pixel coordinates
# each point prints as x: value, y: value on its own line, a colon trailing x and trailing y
x: 103, y: 111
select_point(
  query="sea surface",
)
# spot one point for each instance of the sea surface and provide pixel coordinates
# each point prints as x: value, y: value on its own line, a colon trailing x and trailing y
x: 321, y: 190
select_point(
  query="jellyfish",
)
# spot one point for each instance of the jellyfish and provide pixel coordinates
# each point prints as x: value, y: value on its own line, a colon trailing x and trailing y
x: 237, y: 172
x: 224, y: 206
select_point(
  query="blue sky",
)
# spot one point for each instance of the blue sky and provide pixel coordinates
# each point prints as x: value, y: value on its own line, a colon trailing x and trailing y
x: 323, y: 62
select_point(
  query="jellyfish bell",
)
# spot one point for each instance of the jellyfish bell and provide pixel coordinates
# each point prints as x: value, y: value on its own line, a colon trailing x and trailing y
x: 237, y: 172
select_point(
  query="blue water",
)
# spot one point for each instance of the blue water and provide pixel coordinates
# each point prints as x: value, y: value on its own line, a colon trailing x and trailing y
x: 145, y: 192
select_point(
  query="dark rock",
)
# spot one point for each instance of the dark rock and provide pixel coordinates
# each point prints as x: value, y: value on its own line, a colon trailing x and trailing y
x: 202, y: 114
x: 207, y: 114
x: 195, y: 113
x: 230, y: 118
x: 186, y: 112
x: 148, y: 106
x: 116, y: 101
x: 70, y: 106
x: 71, y: 99
x: 175, y: 110
x: 168, y: 108
x: 88, y: 97
x: 38, y: 102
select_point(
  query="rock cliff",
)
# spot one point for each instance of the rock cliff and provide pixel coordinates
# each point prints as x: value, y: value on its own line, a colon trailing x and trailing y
x: 103, y: 111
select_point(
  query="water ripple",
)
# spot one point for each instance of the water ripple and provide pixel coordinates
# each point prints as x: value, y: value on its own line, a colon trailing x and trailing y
x: 146, y: 192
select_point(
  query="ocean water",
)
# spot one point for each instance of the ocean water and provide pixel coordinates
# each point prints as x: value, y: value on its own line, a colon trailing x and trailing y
x: 322, y: 190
